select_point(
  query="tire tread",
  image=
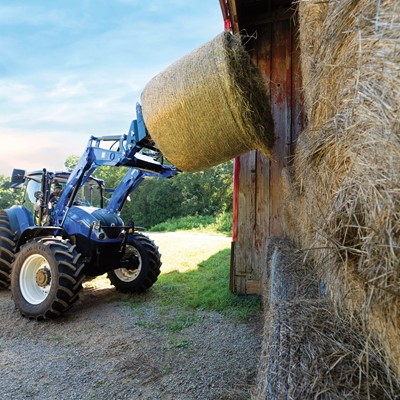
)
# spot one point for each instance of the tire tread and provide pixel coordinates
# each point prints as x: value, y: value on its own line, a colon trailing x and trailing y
x: 69, y: 283
x: 7, y: 250
x: 151, y: 267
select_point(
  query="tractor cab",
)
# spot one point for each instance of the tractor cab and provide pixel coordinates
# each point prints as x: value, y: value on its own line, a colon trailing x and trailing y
x: 44, y: 188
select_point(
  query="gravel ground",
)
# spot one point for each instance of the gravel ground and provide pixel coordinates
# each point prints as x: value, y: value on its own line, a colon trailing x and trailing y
x: 103, y: 348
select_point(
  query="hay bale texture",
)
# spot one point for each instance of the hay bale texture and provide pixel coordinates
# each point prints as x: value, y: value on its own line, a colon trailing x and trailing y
x: 310, y: 351
x: 343, y: 192
x: 209, y: 106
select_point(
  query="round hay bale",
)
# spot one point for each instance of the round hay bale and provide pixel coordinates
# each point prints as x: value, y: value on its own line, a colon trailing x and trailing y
x: 209, y: 106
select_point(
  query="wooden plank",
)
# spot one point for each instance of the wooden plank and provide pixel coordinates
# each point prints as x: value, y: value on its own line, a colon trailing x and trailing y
x: 241, y: 284
x: 253, y: 287
x: 263, y: 51
x: 262, y: 57
x: 234, y: 15
x: 246, y: 217
x: 261, y: 229
x: 281, y: 114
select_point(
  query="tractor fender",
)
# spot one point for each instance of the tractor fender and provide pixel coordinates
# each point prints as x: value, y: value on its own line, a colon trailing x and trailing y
x: 38, y: 231
x: 20, y: 219
x: 21, y: 223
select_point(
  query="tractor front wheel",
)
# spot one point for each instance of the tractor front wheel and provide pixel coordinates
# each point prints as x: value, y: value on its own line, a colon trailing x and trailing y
x: 7, y: 250
x: 144, y: 259
x: 46, y: 278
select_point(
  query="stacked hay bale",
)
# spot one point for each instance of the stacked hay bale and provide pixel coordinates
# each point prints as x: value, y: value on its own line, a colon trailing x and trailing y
x: 343, y: 190
x: 209, y: 106
x: 309, y: 350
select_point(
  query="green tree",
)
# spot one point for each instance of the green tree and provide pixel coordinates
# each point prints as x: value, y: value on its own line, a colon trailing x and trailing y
x: 200, y: 193
x: 8, y: 197
x: 71, y: 162
x: 207, y: 192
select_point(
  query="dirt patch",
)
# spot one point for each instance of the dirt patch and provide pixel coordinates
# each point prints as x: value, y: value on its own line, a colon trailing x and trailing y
x: 105, y: 348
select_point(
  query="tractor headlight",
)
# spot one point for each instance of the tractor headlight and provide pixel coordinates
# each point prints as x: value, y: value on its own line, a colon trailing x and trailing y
x: 97, y: 225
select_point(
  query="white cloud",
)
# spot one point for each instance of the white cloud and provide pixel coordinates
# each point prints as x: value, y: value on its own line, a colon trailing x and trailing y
x: 16, y: 92
x: 32, y: 150
x: 65, y: 88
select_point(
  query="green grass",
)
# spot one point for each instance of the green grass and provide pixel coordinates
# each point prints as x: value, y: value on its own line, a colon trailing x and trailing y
x: 205, y: 288
x: 199, y: 223
x: 182, y: 321
x: 177, y: 295
x: 194, y: 277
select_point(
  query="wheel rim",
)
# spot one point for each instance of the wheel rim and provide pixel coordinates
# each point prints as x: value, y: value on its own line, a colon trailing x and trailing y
x: 35, y: 279
x: 129, y: 275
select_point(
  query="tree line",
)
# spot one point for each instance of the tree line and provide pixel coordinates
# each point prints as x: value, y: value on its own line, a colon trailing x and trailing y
x: 155, y: 200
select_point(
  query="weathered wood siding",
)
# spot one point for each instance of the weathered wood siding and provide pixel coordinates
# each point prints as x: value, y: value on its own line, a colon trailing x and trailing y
x: 276, y: 52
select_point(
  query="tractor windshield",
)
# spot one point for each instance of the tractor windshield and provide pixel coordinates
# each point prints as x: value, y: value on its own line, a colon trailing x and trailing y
x: 40, y: 199
x: 89, y: 195
x: 33, y: 188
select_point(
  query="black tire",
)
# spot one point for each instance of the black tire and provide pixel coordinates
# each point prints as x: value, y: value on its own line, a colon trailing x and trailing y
x: 46, y: 278
x: 7, y: 250
x: 146, y: 265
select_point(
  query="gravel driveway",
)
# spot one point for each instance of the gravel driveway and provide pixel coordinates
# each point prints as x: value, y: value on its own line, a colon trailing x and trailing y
x: 106, y: 349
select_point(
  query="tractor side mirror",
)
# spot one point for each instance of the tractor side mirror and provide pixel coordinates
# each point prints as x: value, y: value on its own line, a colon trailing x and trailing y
x: 17, y: 178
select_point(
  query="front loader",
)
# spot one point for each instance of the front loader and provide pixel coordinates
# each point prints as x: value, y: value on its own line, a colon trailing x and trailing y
x: 63, y: 232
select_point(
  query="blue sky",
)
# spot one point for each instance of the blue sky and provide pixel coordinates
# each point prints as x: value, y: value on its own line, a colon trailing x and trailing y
x: 74, y: 68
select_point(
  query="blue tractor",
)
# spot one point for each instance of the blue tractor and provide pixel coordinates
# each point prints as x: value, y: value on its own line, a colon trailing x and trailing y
x: 63, y: 233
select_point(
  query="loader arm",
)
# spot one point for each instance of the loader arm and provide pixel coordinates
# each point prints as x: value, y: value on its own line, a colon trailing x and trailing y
x: 128, y: 154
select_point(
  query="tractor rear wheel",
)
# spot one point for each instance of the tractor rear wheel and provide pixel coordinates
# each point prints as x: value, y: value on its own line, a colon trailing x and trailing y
x: 46, y: 278
x: 7, y: 250
x: 144, y: 258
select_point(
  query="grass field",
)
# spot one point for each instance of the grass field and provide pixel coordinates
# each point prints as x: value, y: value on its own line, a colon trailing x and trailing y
x: 184, y: 252
x: 220, y: 224
x: 194, y: 276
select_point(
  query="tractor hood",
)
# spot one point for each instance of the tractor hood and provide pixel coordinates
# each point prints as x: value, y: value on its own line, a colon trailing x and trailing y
x: 80, y: 221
